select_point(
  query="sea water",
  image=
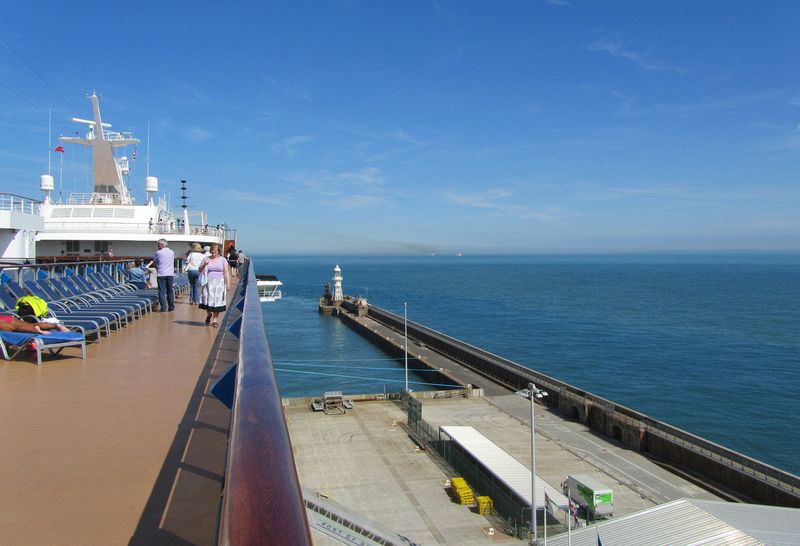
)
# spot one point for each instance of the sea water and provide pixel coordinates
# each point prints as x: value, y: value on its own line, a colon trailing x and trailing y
x: 707, y: 343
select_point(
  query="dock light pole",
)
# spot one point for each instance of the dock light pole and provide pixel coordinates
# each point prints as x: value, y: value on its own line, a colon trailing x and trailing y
x: 534, y: 393
x: 405, y: 335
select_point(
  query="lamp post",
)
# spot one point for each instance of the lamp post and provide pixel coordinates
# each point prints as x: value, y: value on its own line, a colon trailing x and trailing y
x: 405, y: 335
x: 534, y: 393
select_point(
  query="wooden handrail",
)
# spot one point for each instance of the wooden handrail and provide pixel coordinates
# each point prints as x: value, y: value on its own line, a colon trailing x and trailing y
x: 262, y: 502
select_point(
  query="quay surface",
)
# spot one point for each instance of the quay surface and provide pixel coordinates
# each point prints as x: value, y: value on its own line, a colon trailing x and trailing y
x: 125, y: 447
x: 366, y: 461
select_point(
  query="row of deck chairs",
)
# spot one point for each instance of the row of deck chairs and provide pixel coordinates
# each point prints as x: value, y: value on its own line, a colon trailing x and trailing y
x: 91, y: 304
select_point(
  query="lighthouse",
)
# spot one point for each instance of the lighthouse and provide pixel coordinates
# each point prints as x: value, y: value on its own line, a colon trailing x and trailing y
x: 337, y: 284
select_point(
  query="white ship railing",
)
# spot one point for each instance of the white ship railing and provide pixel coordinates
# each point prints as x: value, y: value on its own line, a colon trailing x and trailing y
x: 17, y: 203
x: 274, y: 294
x: 98, y: 199
x: 171, y: 228
x: 98, y: 227
x: 116, y: 135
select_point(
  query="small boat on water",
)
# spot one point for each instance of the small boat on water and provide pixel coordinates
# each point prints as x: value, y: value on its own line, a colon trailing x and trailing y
x: 268, y: 287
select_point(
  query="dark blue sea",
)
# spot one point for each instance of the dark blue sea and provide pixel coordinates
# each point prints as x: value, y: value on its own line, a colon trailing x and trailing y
x: 707, y: 343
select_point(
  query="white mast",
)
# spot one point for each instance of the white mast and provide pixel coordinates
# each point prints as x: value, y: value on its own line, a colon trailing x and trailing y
x: 46, y: 180
x: 49, y: 138
x: 148, y: 148
x: 107, y: 171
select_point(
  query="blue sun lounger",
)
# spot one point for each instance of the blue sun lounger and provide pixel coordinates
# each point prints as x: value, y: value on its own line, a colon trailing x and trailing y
x: 13, y: 343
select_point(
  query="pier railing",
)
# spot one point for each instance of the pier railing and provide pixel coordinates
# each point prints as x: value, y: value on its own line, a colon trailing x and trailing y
x: 262, y: 502
x: 668, y: 441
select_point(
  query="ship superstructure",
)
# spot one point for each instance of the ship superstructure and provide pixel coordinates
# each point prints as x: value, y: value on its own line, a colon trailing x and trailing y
x: 108, y: 219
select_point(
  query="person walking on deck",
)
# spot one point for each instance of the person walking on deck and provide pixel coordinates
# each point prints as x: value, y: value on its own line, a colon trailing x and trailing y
x: 233, y: 260
x: 214, y: 296
x: 193, y: 261
x: 165, y: 273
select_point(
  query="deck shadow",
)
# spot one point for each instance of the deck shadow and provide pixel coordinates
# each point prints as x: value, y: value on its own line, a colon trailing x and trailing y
x: 184, y: 503
x: 193, y: 323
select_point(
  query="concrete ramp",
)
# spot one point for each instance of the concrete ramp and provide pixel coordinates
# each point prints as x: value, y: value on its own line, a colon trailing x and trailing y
x: 346, y: 527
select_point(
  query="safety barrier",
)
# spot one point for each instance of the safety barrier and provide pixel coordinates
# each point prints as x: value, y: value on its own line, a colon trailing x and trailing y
x: 262, y: 502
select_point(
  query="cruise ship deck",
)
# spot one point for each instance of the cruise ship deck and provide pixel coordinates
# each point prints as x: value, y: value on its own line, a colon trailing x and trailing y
x: 106, y: 450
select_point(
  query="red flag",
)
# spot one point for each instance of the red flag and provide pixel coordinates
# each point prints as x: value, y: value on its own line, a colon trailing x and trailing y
x: 59, y: 149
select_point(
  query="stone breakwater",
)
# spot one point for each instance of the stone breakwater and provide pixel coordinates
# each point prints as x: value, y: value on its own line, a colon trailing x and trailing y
x: 721, y: 470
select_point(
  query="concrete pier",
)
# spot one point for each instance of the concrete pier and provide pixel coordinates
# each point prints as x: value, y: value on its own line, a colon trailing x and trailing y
x: 727, y: 473
x: 370, y: 462
x: 367, y: 461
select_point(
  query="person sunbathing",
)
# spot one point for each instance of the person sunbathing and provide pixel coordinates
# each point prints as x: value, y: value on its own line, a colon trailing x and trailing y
x: 13, y: 324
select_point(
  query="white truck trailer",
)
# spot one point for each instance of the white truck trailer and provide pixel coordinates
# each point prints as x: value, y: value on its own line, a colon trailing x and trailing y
x: 591, y: 495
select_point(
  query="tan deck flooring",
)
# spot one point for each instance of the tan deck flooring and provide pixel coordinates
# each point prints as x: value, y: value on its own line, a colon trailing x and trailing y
x: 84, y: 442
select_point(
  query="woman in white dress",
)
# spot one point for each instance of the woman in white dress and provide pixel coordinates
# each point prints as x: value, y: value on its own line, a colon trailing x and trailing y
x: 213, y: 297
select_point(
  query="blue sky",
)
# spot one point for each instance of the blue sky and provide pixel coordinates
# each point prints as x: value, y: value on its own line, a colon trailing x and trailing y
x: 418, y: 127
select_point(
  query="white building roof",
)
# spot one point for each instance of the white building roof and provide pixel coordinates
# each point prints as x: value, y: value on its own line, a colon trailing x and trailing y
x: 693, y: 521
x: 515, y: 475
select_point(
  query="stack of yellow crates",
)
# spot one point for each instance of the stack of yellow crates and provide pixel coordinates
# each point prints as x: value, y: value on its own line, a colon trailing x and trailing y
x: 463, y: 492
x: 485, y: 505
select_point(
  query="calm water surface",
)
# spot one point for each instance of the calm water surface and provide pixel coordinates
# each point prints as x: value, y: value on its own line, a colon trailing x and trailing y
x: 710, y: 344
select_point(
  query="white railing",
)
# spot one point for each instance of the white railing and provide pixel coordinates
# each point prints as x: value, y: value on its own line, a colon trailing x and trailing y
x: 116, y: 227
x: 17, y: 203
x: 133, y: 227
x: 116, y: 135
x: 99, y: 199
x: 273, y: 294
x: 196, y: 229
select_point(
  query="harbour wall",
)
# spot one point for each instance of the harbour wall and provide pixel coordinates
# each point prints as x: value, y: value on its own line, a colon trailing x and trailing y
x: 348, y: 311
x: 729, y: 472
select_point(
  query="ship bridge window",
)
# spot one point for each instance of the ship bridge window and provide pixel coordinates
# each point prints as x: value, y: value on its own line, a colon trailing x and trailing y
x: 101, y: 212
x: 61, y: 213
x: 81, y: 213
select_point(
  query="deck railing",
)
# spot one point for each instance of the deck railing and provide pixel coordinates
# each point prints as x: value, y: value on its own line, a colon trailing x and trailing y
x: 20, y: 272
x: 17, y: 203
x: 262, y: 502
